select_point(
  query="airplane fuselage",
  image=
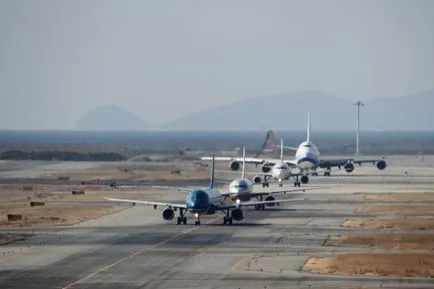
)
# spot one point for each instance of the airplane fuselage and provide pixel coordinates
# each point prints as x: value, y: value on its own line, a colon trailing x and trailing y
x: 307, y: 156
x: 202, y: 201
x: 281, y: 171
x: 241, y: 189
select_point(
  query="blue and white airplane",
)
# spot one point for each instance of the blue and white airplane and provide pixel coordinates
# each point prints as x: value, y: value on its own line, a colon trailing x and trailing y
x: 205, y: 201
x: 307, y: 161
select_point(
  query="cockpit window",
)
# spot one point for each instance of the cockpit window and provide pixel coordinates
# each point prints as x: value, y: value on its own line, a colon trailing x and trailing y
x: 283, y: 167
x: 307, y: 146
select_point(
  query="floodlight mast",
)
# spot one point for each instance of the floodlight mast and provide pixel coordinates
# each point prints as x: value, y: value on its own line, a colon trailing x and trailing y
x: 358, y: 104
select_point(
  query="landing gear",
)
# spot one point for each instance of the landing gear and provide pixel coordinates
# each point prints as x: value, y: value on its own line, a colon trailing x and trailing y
x: 327, y: 173
x: 227, y: 219
x: 280, y: 184
x: 265, y: 183
x: 260, y: 207
x: 297, y: 182
x: 197, y: 222
x: 182, y: 219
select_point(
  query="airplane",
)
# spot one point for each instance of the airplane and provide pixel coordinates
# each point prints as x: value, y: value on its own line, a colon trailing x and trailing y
x: 242, y: 189
x: 307, y: 160
x: 205, y: 201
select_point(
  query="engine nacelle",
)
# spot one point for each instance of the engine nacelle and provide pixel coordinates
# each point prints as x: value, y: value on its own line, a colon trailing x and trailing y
x: 234, y: 165
x: 237, y: 214
x: 265, y: 169
x: 304, y: 179
x: 168, y: 214
x: 270, y: 198
x: 381, y: 164
x: 257, y: 179
x: 349, y: 167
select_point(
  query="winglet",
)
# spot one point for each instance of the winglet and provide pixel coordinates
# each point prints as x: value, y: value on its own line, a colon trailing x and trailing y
x: 308, y: 127
x: 212, y: 180
x: 281, y: 149
x: 243, y: 174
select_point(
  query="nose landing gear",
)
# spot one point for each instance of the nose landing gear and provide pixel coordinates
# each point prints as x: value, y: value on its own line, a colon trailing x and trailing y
x: 197, y: 222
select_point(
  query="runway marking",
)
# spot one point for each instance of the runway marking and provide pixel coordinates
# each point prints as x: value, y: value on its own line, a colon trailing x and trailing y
x: 133, y: 255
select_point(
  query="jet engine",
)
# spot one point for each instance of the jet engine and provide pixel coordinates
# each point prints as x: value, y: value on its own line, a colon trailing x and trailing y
x: 168, y: 214
x: 237, y: 214
x: 349, y: 167
x: 270, y: 198
x: 265, y: 169
x: 234, y: 165
x: 257, y: 179
x: 304, y: 179
x: 381, y: 164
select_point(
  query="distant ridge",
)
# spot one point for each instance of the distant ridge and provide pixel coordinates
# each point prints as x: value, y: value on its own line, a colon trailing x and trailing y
x: 111, y: 118
x: 328, y: 112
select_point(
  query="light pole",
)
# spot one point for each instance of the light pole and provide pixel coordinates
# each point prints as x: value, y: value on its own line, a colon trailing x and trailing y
x: 358, y: 104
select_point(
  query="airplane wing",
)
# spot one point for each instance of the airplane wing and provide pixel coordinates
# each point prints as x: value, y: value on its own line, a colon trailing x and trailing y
x: 181, y: 189
x: 287, y: 147
x: 150, y: 203
x: 325, y: 163
x: 257, y: 194
x: 257, y: 161
x: 237, y: 159
x: 248, y: 204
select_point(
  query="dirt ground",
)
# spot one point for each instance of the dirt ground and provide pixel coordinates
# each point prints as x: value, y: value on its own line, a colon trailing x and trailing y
x: 397, y: 209
x: 395, y: 240
x: 65, y: 212
x: 380, y: 264
x: 403, y: 197
x: 54, y: 215
x: 402, y: 223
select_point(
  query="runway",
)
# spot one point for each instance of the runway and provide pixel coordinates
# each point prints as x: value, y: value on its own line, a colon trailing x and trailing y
x: 135, y: 248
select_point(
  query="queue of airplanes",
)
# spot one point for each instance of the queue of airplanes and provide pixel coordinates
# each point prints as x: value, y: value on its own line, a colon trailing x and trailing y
x: 306, y: 163
x: 208, y: 201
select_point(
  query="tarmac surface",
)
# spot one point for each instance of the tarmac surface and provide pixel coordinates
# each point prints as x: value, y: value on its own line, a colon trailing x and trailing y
x: 136, y: 248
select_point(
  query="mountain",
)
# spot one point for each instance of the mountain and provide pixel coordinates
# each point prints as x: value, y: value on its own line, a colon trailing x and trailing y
x: 328, y: 112
x: 111, y: 118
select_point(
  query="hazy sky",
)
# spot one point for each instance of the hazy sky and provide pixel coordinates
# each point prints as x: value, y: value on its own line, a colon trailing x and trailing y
x: 165, y: 59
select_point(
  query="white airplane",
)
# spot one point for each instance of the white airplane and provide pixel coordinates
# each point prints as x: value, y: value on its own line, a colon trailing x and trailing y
x: 307, y: 161
x: 199, y: 202
x: 241, y: 190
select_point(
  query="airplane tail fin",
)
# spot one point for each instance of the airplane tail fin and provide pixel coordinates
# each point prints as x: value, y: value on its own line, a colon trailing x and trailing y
x: 281, y: 149
x: 269, y: 144
x: 212, y: 180
x: 243, y: 174
x: 308, y: 137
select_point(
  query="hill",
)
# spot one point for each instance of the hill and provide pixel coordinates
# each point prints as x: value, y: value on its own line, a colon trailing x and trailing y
x: 111, y: 118
x: 328, y: 112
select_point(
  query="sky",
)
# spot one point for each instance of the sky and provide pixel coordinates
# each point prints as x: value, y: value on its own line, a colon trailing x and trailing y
x: 165, y: 59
